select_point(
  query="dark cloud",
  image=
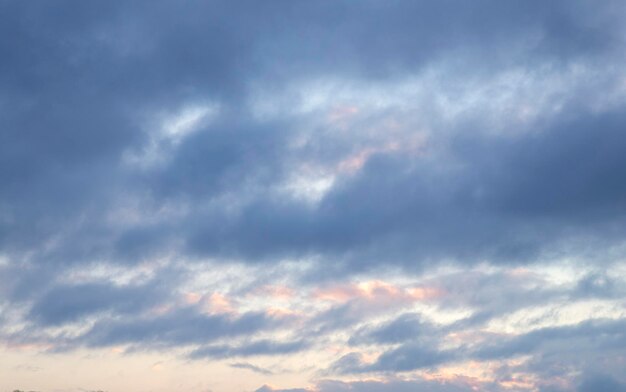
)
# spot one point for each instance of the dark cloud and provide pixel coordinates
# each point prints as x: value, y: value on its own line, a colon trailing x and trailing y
x: 513, y: 201
x: 90, y: 92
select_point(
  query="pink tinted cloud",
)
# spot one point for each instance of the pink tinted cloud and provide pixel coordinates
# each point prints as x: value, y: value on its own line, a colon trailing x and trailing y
x: 218, y: 303
x: 341, y: 115
x: 412, y: 146
x: 214, y: 302
x: 274, y: 291
x: 377, y: 291
x: 357, y: 160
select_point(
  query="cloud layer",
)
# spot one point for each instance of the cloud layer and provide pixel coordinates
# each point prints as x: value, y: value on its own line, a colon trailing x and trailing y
x: 328, y: 196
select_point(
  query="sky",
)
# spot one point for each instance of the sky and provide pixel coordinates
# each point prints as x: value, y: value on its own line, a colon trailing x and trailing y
x: 313, y: 196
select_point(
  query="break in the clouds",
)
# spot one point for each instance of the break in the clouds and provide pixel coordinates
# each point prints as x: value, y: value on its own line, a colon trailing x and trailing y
x: 313, y: 196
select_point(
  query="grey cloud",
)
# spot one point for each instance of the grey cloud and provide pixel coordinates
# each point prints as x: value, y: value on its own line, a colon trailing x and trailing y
x: 337, y: 317
x: 599, y: 285
x: 178, y: 328
x: 407, y: 357
x: 87, y: 89
x: 494, y: 294
x: 254, y: 348
x: 392, y: 385
x: 551, y: 348
x: 536, y: 197
x: 266, y: 388
x: 555, y: 353
x: 605, y: 335
x: 406, y: 327
x: 348, y: 363
x: 82, y: 87
x: 351, y: 313
x: 410, y: 357
x: 253, y: 368
x: 69, y: 303
x: 602, y: 383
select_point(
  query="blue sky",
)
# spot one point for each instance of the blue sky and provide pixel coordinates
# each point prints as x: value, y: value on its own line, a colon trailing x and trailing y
x: 313, y: 196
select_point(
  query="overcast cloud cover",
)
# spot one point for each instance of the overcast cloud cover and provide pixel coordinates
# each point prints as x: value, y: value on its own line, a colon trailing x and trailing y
x: 316, y: 196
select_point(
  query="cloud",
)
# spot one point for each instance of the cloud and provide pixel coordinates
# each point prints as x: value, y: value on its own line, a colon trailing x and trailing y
x: 248, y: 366
x: 407, y: 327
x: 267, y: 388
x: 395, y: 385
x: 410, y: 357
x: 255, y: 348
x: 235, y: 163
x: 69, y: 303
x: 177, y: 328
x: 578, y: 338
x: 407, y: 357
x: 433, y: 197
x: 601, y: 383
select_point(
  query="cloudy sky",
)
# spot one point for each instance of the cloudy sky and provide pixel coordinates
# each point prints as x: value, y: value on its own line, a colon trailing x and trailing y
x: 319, y: 196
